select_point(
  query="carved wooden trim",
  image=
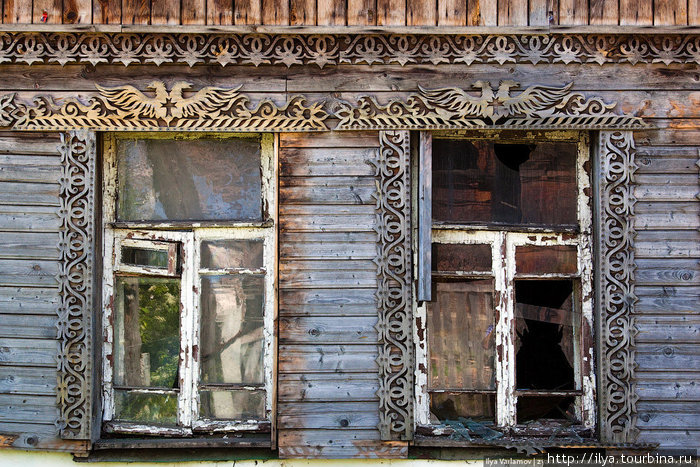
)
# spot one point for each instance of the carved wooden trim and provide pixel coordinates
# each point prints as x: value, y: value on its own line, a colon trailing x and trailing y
x: 537, y: 107
x: 396, y: 359
x: 126, y: 108
x: 616, y: 298
x: 76, y: 246
x: 334, y: 49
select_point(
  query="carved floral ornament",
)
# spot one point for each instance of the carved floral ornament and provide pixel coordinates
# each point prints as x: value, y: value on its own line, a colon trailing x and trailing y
x: 213, y: 108
x: 334, y: 49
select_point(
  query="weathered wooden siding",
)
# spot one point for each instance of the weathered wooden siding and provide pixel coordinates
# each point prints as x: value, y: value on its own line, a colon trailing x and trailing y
x: 667, y: 251
x: 30, y: 172
x: 327, y: 281
x: 327, y: 370
x: 354, y: 12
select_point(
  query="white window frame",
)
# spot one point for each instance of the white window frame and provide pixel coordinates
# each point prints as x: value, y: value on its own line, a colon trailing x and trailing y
x: 189, y: 235
x: 503, y: 243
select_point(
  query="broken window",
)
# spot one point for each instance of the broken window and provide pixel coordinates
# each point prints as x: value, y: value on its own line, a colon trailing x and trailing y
x: 189, y: 287
x: 507, y: 338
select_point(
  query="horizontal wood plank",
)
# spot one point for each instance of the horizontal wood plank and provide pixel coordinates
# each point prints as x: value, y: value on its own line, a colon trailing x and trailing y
x: 327, y: 358
x: 328, y: 330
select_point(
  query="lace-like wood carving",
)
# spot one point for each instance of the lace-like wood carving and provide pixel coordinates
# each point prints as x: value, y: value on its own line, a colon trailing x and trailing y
x: 327, y: 49
x: 396, y: 359
x: 77, y: 249
x: 617, y: 397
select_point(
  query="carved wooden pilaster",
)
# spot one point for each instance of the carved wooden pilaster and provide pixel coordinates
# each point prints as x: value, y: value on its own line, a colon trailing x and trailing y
x: 76, y: 246
x: 617, y: 397
x: 396, y: 359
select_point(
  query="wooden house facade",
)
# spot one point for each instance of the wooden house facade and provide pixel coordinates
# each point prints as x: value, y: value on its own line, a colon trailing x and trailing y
x: 349, y: 229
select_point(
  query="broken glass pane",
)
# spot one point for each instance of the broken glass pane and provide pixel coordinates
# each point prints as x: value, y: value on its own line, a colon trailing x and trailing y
x: 145, y: 408
x: 461, y: 335
x: 232, y: 405
x: 231, y: 338
x: 531, y: 408
x: 146, y: 332
x: 452, y: 406
x: 247, y: 254
x: 510, y: 184
x: 188, y: 180
x: 544, y: 342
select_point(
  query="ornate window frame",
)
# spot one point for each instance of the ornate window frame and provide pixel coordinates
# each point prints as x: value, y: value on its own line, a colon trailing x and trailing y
x: 227, y: 109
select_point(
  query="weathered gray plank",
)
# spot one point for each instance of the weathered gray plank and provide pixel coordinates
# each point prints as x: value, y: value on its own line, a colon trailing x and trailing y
x: 327, y: 223
x: 330, y: 139
x: 667, y: 357
x: 28, y: 352
x: 37, y: 326
x: 669, y: 390
x: 317, y: 247
x: 681, y: 192
x: 44, y: 194
x: 29, y: 218
x: 320, y: 415
x: 322, y: 162
x: 31, y: 300
x: 328, y: 302
x: 659, y: 329
x: 667, y: 299
x: 327, y: 387
x: 681, y: 438
x: 28, y: 272
x: 668, y: 414
x: 21, y: 380
x: 328, y: 279
x: 327, y: 358
x: 665, y: 244
x: 328, y: 330
x: 327, y: 190
x: 30, y: 173
x: 29, y: 245
x: 667, y: 271
x: 666, y: 164
x: 29, y: 142
x: 28, y: 409
x: 671, y: 219
x: 338, y: 444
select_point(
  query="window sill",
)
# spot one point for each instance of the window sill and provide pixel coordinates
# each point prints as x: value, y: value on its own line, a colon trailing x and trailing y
x: 258, y: 440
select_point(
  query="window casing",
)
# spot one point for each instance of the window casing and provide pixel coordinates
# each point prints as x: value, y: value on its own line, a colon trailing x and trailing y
x: 486, y: 302
x: 216, y: 273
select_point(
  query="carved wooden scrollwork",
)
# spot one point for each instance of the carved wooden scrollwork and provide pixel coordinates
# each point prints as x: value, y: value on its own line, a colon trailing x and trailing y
x: 396, y: 359
x: 617, y: 396
x: 328, y: 49
x: 127, y: 108
x: 227, y: 109
x: 542, y: 107
x: 76, y: 246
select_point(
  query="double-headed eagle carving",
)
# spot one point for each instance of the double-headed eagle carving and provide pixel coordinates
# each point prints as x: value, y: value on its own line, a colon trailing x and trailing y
x: 454, y: 102
x: 169, y: 105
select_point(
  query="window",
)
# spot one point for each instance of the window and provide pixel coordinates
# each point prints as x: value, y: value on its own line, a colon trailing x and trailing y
x: 508, y: 297
x: 188, y: 287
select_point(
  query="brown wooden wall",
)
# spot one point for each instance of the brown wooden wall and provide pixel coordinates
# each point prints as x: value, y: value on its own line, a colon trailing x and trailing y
x: 354, y: 12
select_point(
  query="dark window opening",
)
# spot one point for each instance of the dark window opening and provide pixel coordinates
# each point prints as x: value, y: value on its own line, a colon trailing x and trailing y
x: 544, y: 335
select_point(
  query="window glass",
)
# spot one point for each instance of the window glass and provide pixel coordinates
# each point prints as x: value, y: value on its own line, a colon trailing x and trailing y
x: 231, y: 336
x: 453, y: 406
x: 232, y: 405
x: 189, y: 180
x: 246, y: 254
x: 509, y: 184
x: 147, y: 332
x: 160, y: 409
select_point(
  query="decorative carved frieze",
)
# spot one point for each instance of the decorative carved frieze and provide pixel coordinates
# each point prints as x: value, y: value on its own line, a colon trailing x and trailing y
x: 76, y: 246
x: 329, y: 49
x: 396, y: 359
x: 227, y: 109
x: 617, y: 397
x: 536, y: 107
x: 127, y: 108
